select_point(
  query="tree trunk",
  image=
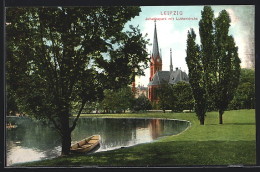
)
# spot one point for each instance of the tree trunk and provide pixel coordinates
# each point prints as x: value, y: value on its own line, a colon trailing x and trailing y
x: 66, y: 143
x: 66, y: 135
x: 221, y: 112
x: 202, y: 119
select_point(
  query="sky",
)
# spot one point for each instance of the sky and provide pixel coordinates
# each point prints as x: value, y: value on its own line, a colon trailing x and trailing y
x: 172, y: 32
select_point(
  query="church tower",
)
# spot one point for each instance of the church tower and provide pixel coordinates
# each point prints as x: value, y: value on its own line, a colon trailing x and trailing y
x: 156, y: 59
x: 157, y: 76
x: 155, y: 63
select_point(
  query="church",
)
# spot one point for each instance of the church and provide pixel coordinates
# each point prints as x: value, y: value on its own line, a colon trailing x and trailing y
x: 157, y: 76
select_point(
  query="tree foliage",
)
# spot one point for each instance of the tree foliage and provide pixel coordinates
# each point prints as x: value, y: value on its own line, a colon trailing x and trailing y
x: 244, y: 97
x: 206, y: 31
x: 227, y: 71
x: 196, y: 76
x: 219, y: 62
x: 184, y: 98
x: 166, y: 96
x: 58, y: 56
x: 110, y: 101
x: 177, y: 97
x: 118, y: 101
x: 142, y: 103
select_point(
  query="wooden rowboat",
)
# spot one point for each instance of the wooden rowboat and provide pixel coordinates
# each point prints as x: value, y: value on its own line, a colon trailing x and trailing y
x: 86, y: 144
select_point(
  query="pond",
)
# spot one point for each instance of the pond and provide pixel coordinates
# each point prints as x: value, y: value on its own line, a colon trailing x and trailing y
x: 34, y: 140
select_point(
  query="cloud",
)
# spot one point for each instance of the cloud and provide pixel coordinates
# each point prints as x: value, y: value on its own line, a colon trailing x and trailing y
x: 245, y: 51
x: 233, y: 17
x: 241, y: 51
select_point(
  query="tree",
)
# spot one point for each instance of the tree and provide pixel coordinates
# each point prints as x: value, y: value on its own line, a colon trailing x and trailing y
x: 175, y: 97
x: 220, y: 64
x: 206, y: 31
x: 118, y: 100
x: 109, y: 103
x: 59, y: 56
x: 227, y: 70
x: 126, y: 59
x: 125, y: 98
x: 166, y: 96
x: 12, y: 106
x: 183, y: 94
x: 142, y: 103
x: 196, y: 79
x: 244, y: 97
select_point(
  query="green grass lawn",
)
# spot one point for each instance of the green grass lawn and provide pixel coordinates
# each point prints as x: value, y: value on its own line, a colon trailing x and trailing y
x: 230, y: 143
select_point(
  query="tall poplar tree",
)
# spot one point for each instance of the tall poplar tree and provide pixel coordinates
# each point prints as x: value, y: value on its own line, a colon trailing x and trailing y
x: 206, y: 31
x: 227, y: 70
x: 196, y: 75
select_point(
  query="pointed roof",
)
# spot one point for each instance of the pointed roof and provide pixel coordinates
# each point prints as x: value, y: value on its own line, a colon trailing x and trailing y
x: 177, y: 76
x: 172, y: 77
x: 155, y: 43
x: 159, y: 77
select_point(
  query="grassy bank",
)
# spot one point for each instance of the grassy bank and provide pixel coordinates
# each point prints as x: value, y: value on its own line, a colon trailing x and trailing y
x: 211, y: 144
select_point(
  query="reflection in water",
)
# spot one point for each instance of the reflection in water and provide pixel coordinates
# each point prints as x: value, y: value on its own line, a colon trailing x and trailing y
x: 155, y: 128
x: 33, y: 140
x: 143, y: 134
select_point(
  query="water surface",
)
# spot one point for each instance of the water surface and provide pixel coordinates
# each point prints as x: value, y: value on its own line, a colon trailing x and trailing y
x: 34, y: 140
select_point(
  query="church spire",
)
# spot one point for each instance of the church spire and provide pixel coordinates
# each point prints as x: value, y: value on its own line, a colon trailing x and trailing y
x: 155, y: 43
x: 171, y: 67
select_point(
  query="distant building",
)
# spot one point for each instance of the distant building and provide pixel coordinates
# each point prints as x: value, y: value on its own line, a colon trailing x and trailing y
x: 141, y: 90
x: 157, y: 76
